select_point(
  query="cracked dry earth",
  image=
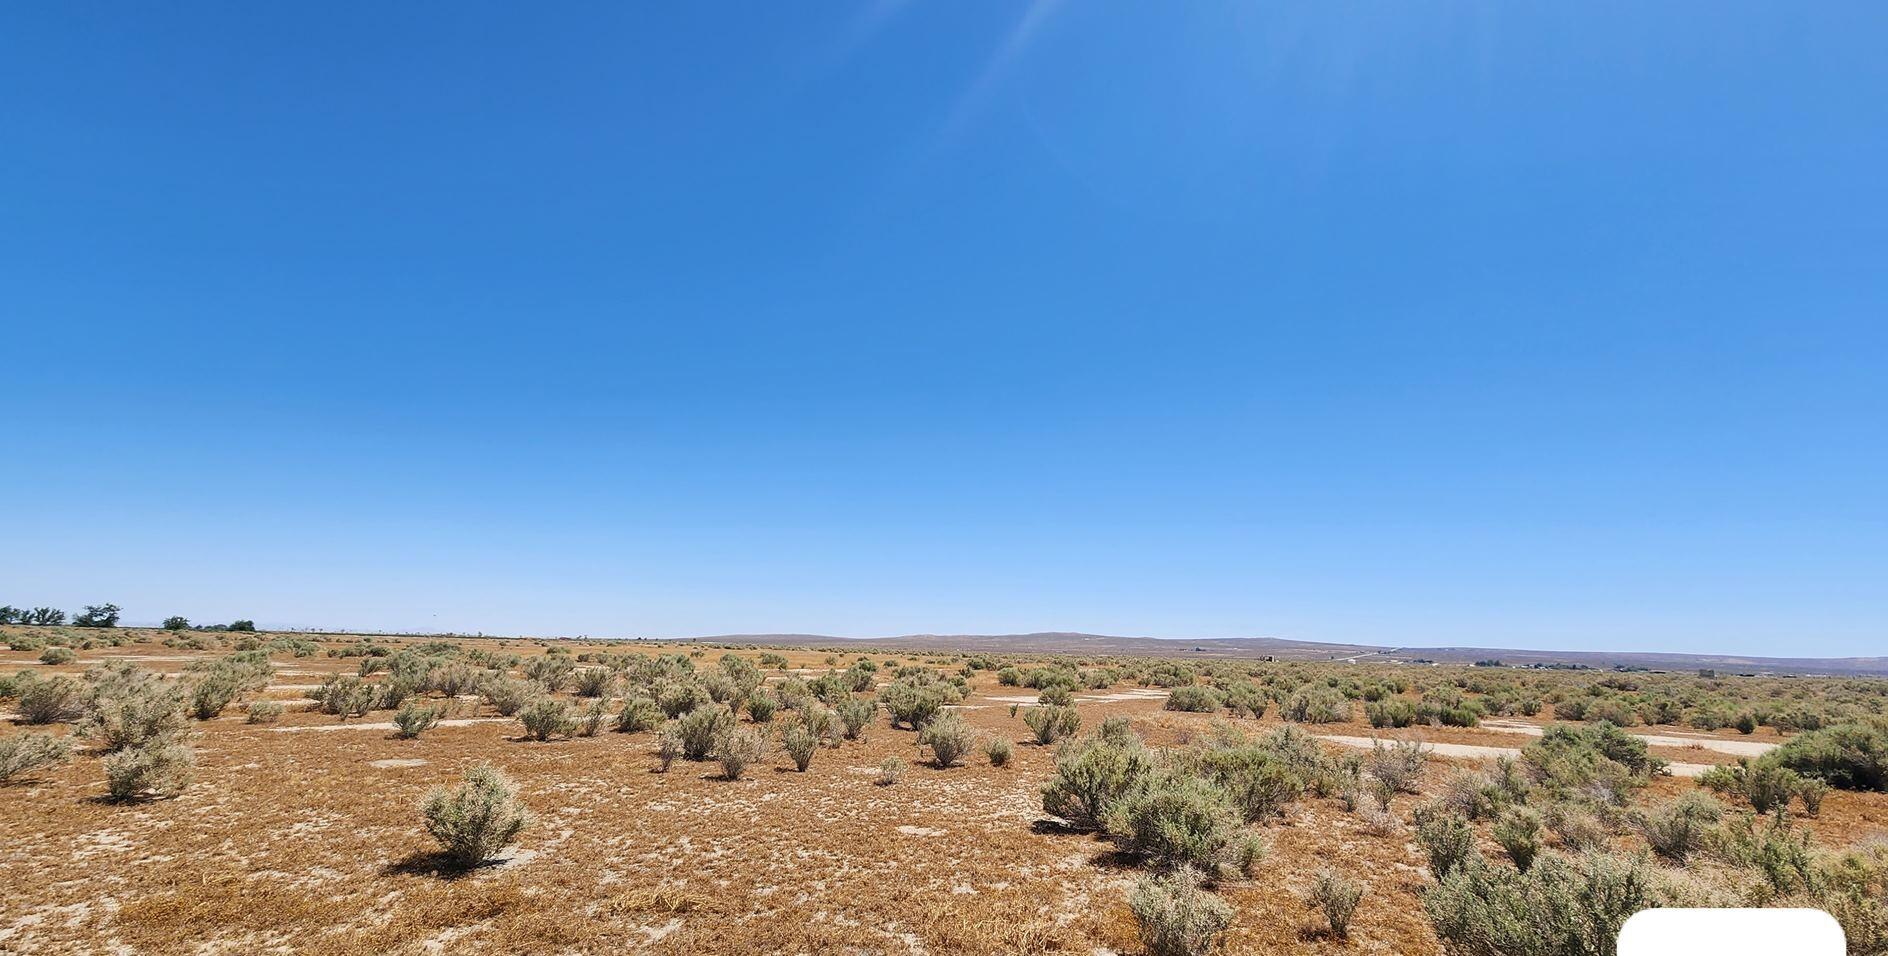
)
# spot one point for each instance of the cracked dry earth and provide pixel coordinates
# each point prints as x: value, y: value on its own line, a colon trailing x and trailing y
x: 293, y: 842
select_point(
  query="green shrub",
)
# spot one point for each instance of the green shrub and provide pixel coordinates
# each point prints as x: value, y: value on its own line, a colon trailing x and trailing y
x: 890, y: 771
x: 911, y: 704
x: 476, y: 820
x: 591, y: 720
x: 800, y: 744
x: 638, y: 714
x: 1337, y: 897
x: 1558, y: 907
x: 1257, y: 781
x: 1398, y: 765
x: 1446, y: 838
x: 761, y: 707
x: 668, y: 745
x: 949, y: 738
x: 345, y: 696
x: 25, y: 753
x: 1090, y: 774
x: 737, y: 748
x: 158, y: 767
x: 856, y: 715
x: 1769, y: 786
x: 594, y: 682
x: 1599, y: 760
x: 414, y: 720
x: 999, y: 750
x: 56, y: 701
x: 1174, y: 821
x: 58, y: 655
x: 1316, y: 705
x: 506, y: 695
x: 1051, y: 724
x: 1518, y: 831
x: 1852, y: 756
x: 547, y: 717
x: 1393, y: 712
x: 1194, y: 700
x: 1679, y: 828
x: 1176, y: 917
x: 131, y: 707
x: 678, y: 697
x: 1812, y: 790
x: 701, y: 729
x: 263, y: 711
x: 211, y: 693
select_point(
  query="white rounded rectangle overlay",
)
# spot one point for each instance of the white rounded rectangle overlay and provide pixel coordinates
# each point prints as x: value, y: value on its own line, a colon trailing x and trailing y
x: 1731, y: 932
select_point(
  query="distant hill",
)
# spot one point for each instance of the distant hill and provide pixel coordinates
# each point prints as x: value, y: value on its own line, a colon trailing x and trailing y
x: 1063, y: 642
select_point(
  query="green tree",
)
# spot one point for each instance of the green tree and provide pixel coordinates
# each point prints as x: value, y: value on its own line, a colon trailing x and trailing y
x: 49, y: 616
x: 176, y: 622
x: 98, y: 615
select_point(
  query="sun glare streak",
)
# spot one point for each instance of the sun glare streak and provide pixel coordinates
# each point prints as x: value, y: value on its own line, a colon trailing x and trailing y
x: 1012, y: 48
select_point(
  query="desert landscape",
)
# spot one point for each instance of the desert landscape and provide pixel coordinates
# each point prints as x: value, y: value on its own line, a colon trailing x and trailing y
x: 229, y: 791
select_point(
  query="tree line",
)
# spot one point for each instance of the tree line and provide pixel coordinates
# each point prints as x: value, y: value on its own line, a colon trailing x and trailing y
x: 105, y: 615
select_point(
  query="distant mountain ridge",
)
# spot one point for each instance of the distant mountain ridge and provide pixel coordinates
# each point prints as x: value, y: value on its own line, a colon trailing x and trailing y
x: 1066, y: 642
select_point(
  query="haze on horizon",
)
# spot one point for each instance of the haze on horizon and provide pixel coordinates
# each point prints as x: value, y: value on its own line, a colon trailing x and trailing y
x: 1477, y: 325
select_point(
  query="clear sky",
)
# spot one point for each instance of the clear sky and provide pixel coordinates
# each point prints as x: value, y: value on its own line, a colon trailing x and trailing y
x: 1534, y: 325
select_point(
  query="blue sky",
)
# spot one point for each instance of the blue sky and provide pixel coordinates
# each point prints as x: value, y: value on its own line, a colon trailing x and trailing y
x: 1514, y: 325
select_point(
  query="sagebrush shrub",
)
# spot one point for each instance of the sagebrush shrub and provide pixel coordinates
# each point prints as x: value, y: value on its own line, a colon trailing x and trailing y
x: 1577, y: 828
x: 1254, y: 778
x: 855, y: 715
x: 949, y: 738
x: 1446, y: 837
x: 1195, y: 699
x: 507, y: 695
x: 761, y: 706
x: 800, y: 744
x: 594, y: 682
x: 1851, y: 756
x: 58, y: 655
x: 1337, y: 897
x: 1679, y: 828
x: 591, y: 720
x: 1176, y: 917
x: 1518, y: 831
x: 1090, y: 774
x: 1558, y: 907
x: 56, y: 701
x: 345, y: 696
x: 211, y: 693
x: 476, y: 820
x: 890, y: 771
x: 668, y: 745
x: 1596, y: 761
x: 547, y: 717
x: 1397, y: 765
x: 678, y: 697
x: 130, y: 707
x: 999, y: 750
x: 24, y: 753
x: 156, y: 768
x: 263, y: 711
x: 1174, y: 821
x: 638, y: 714
x: 414, y: 720
x: 701, y: 729
x: 1051, y: 724
x: 737, y: 748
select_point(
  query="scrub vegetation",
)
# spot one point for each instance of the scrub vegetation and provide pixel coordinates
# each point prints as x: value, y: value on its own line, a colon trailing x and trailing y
x: 219, y: 790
